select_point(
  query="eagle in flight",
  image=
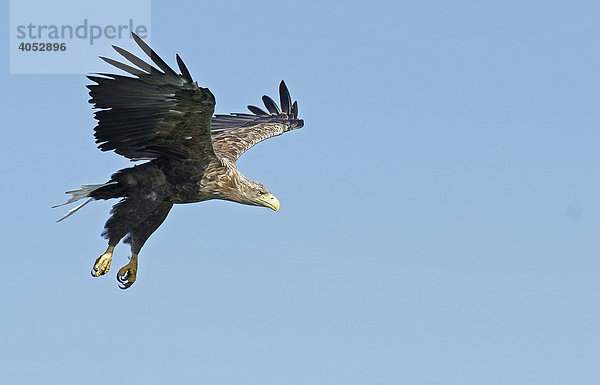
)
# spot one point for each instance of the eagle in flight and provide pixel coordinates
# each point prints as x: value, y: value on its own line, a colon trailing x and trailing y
x: 164, y: 117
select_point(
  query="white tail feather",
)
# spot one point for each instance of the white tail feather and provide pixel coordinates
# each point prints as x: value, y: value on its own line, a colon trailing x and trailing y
x: 74, y: 209
x: 83, y: 192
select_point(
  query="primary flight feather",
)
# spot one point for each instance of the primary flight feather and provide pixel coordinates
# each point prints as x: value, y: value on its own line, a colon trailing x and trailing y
x: 164, y: 117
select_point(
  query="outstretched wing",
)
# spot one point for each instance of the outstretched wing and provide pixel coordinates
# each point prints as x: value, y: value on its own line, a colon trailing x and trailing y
x: 154, y: 114
x: 234, y: 134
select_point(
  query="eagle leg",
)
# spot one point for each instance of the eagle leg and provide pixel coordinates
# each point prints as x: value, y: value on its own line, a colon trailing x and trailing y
x: 127, y: 274
x: 102, y: 264
x: 137, y: 237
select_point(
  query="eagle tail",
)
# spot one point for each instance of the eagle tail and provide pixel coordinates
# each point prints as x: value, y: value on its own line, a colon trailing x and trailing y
x: 85, y: 191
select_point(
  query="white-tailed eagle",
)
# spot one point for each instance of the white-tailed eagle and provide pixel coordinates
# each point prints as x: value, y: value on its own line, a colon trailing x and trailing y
x: 164, y: 117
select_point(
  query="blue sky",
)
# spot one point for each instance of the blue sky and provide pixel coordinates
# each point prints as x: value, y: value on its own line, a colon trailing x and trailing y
x: 439, y: 210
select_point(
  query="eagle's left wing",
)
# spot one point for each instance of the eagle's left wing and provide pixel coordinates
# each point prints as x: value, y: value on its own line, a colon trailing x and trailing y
x: 156, y: 113
x: 235, y: 133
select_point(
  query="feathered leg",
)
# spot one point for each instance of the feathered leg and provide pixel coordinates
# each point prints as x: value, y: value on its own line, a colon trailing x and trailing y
x: 129, y: 213
x: 127, y: 274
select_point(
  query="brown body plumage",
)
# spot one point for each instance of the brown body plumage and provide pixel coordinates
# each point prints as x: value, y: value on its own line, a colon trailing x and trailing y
x: 167, y: 119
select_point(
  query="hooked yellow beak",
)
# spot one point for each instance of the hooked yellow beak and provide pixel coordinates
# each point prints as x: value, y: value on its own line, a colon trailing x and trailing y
x: 270, y: 201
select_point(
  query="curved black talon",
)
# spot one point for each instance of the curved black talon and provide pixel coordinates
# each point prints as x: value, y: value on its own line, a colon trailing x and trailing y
x: 125, y: 286
x: 94, y: 271
x: 123, y: 279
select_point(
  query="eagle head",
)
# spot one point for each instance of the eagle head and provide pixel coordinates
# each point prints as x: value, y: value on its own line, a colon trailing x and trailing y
x: 258, y: 195
x: 252, y: 193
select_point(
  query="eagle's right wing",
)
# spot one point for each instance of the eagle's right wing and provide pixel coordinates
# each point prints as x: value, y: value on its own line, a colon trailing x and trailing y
x: 235, y: 133
x: 154, y: 113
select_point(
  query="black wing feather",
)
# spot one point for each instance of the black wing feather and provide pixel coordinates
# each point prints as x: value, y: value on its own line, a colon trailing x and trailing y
x: 271, y: 105
x: 135, y: 60
x: 121, y: 66
x: 155, y: 58
x: 284, y: 97
x: 183, y: 69
x: 257, y: 111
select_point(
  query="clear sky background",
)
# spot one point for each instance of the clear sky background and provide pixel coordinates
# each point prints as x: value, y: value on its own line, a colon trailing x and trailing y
x: 440, y: 209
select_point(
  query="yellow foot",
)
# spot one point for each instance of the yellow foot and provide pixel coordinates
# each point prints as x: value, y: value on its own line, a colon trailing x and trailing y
x: 126, y: 275
x: 102, y: 264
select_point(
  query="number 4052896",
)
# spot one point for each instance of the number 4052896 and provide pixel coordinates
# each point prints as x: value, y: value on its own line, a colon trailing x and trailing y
x: 43, y: 46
